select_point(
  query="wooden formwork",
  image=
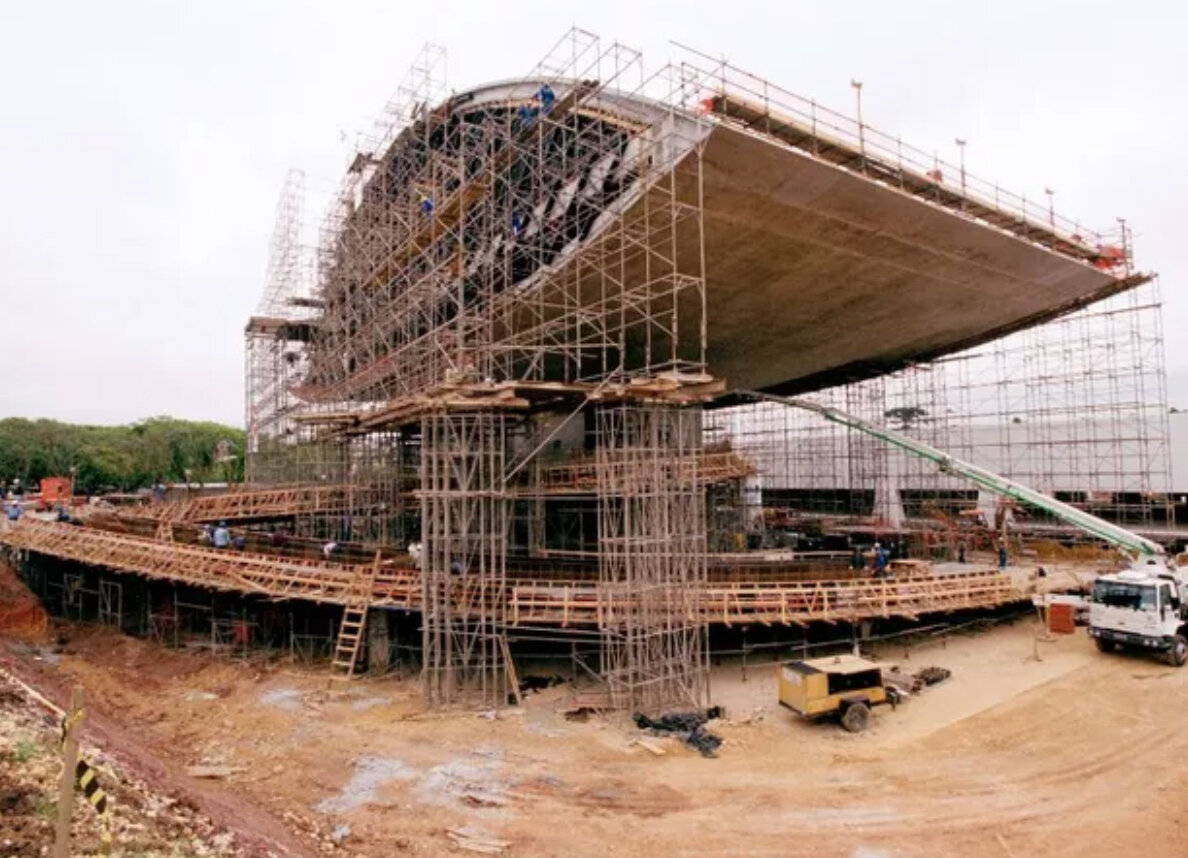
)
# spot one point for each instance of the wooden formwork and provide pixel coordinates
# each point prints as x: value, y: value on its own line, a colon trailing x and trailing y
x: 550, y: 603
x: 305, y: 499
x: 582, y: 475
x: 212, y: 568
x: 261, y: 504
x: 787, y: 603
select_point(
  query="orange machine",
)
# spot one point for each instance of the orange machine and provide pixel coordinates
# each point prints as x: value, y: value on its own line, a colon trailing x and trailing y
x: 54, y: 491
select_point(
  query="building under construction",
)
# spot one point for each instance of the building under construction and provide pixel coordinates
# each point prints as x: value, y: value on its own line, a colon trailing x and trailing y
x: 512, y: 366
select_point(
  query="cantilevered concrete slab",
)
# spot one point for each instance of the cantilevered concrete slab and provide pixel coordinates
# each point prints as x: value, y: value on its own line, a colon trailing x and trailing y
x: 826, y: 264
x: 818, y: 275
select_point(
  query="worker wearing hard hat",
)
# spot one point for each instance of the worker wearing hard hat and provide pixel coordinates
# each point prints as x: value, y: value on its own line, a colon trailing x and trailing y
x: 880, y: 560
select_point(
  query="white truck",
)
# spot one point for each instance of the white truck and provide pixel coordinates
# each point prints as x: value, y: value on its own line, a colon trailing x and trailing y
x: 1143, y: 607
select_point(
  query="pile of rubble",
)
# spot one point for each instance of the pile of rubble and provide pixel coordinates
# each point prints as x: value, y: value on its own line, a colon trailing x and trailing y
x: 913, y: 683
x: 688, y: 726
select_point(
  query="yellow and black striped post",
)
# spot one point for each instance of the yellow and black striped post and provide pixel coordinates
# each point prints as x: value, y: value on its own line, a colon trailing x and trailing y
x: 85, y: 778
x: 66, y: 784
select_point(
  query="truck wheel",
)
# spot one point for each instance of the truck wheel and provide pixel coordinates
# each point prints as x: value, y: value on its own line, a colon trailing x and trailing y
x: 1178, y: 654
x: 1104, y: 645
x: 856, y: 717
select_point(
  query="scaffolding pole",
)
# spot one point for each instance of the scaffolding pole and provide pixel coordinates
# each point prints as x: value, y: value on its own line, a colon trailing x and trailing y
x: 653, y: 556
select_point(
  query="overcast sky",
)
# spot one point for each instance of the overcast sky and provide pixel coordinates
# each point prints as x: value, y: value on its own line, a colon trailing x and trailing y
x: 143, y: 145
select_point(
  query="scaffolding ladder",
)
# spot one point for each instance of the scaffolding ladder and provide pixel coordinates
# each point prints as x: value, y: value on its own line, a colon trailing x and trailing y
x: 354, y: 622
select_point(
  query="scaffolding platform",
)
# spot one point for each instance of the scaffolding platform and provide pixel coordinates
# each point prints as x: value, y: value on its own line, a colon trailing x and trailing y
x: 787, y: 603
x: 540, y: 603
x: 261, y: 504
x: 224, y: 570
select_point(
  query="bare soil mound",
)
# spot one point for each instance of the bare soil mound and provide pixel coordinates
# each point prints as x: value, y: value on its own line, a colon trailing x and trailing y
x: 21, y: 614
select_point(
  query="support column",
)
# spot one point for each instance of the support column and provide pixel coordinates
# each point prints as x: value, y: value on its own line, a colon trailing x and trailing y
x: 464, y: 524
x: 652, y: 558
x: 379, y: 648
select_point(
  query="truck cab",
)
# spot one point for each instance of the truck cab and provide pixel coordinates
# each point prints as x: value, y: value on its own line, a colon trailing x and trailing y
x: 1144, y: 607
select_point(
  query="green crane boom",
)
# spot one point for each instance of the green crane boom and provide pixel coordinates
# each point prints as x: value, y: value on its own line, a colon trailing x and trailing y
x: 1119, y: 537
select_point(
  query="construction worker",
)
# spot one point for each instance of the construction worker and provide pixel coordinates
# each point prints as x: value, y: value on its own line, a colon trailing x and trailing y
x: 546, y: 97
x: 517, y: 224
x: 221, y: 536
x: 961, y: 553
x: 14, y: 511
x: 857, y: 561
x: 526, y: 115
x: 880, y: 560
x: 426, y: 203
x: 1002, y: 555
x: 329, y: 549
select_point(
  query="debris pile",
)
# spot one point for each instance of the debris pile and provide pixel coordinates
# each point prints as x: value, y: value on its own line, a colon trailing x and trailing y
x: 688, y: 726
x: 534, y: 684
x: 914, y: 683
x: 932, y: 675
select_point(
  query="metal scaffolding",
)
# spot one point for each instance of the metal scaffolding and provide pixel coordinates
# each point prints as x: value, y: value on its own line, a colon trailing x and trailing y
x: 1076, y: 408
x: 275, y: 342
x: 487, y: 262
x: 497, y: 349
x: 653, y: 556
x: 464, y: 507
x: 535, y: 237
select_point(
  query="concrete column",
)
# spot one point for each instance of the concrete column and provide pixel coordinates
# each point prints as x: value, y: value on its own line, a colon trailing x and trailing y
x: 378, y: 647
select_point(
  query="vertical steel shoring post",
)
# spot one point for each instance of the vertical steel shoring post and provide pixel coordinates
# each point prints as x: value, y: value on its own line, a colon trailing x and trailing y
x: 464, y: 521
x: 652, y: 562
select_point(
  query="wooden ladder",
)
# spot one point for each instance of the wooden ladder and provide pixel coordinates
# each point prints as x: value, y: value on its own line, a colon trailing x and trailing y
x: 354, y: 622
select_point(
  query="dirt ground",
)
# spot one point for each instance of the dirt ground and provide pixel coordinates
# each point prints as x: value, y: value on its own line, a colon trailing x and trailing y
x: 140, y: 822
x: 1075, y: 753
x: 21, y: 614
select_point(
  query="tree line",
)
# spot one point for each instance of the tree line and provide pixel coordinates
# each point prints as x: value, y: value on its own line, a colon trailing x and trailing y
x: 120, y: 458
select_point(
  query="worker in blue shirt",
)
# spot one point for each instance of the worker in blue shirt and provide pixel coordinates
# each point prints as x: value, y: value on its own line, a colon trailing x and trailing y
x: 1002, y: 556
x: 426, y: 203
x: 14, y: 511
x: 880, y: 560
x: 221, y: 536
x: 546, y: 97
x: 525, y: 116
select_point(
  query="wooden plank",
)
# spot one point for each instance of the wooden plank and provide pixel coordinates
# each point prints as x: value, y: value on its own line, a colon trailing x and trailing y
x: 510, y: 665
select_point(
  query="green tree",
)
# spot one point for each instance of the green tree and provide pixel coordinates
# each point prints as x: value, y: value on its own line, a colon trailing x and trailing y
x: 126, y: 458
